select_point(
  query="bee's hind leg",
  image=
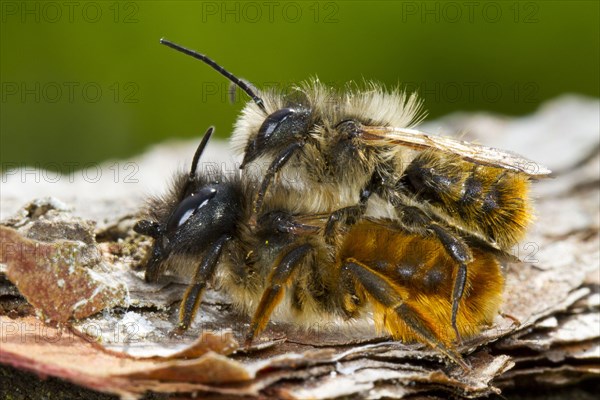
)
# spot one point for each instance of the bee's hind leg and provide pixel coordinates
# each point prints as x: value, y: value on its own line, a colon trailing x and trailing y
x: 193, y: 294
x: 280, y: 277
x: 417, y: 221
x: 389, y: 295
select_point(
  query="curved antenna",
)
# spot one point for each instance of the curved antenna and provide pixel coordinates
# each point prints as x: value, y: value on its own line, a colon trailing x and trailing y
x: 242, y: 85
x: 199, y: 152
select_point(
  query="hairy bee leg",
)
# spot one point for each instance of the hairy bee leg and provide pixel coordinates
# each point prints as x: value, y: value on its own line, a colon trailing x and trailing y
x: 457, y: 293
x: 460, y: 252
x: 412, y: 319
x: 193, y: 294
x: 350, y: 214
x: 273, y: 294
x: 455, y: 247
x: 281, y: 159
x: 379, y: 288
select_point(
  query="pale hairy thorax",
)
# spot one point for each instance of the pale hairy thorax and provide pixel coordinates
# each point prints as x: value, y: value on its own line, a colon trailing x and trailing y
x: 311, y: 182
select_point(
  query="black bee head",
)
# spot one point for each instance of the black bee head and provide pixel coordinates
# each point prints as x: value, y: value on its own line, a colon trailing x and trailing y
x: 204, y: 211
x: 281, y: 128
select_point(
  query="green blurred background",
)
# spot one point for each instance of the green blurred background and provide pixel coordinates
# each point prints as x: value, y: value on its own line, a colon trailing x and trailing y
x: 87, y: 81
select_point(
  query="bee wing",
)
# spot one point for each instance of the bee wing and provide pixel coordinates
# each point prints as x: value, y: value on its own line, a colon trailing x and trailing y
x: 469, y: 151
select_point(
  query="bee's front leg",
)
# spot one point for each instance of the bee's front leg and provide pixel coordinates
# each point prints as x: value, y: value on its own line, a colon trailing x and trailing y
x: 193, y: 294
x: 347, y: 216
x: 281, y: 159
x: 352, y: 214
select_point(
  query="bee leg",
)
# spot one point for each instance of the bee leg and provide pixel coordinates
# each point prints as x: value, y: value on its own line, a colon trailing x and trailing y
x: 273, y: 294
x: 379, y: 288
x: 460, y: 252
x: 419, y: 222
x: 349, y: 215
x: 352, y: 214
x: 457, y: 293
x: 193, y: 294
x: 152, y: 229
x: 275, y: 166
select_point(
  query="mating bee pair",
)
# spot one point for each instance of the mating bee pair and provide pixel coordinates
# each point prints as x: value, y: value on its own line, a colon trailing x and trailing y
x: 379, y: 219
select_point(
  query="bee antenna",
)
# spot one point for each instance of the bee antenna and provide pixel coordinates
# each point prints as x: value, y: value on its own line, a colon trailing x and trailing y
x: 199, y: 152
x: 242, y: 85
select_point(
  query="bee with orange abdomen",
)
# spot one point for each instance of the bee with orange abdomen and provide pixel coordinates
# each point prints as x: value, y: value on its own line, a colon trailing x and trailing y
x: 330, y: 151
x: 206, y: 232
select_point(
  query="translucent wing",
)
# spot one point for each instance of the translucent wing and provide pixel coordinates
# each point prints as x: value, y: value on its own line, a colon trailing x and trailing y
x: 469, y: 151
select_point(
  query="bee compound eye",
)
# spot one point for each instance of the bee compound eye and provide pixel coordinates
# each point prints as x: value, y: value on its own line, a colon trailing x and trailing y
x: 188, y: 207
x: 278, y: 130
x: 273, y: 121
